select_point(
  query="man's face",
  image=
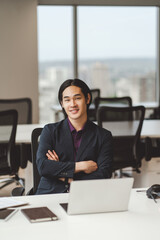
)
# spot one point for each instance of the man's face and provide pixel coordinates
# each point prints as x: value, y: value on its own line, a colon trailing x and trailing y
x: 74, y: 103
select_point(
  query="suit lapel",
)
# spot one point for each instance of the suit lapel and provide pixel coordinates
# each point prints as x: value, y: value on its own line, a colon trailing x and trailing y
x: 67, y: 140
x: 86, y: 139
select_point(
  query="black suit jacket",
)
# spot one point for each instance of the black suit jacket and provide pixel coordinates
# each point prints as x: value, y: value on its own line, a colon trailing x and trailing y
x: 96, y: 145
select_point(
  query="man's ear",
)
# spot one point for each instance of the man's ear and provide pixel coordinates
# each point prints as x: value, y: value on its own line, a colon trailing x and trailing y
x: 88, y: 99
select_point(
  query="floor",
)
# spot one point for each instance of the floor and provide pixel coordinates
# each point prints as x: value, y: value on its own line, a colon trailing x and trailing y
x: 150, y: 174
x: 23, y: 173
x: 6, y: 191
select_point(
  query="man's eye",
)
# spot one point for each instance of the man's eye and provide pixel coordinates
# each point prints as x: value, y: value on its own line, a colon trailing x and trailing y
x: 66, y: 100
x: 78, y: 98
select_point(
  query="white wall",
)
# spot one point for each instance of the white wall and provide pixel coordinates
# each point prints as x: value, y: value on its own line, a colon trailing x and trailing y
x: 18, y: 51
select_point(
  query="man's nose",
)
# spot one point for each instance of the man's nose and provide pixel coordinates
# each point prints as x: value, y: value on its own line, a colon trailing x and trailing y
x: 73, y: 103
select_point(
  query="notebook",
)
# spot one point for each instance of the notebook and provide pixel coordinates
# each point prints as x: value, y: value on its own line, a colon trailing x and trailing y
x: 98, y: 196
x: 39, y: 214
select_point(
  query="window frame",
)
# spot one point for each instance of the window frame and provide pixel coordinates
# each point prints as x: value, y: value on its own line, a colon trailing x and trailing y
x: 129, y: 3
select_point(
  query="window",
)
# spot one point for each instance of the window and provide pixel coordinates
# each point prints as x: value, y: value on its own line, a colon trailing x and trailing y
x: 55, y: 55
x: 117, y: 50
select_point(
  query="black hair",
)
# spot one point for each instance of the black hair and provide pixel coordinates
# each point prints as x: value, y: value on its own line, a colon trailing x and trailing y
x: 78, y: 83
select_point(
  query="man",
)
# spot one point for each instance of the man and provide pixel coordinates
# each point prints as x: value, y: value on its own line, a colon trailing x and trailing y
x: 74, y: 148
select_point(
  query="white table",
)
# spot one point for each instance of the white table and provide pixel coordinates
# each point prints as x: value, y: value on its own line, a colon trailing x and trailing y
x: 151, y: 128
x: 57, y: 109
x: 24, y: 131
x: 140, y: 222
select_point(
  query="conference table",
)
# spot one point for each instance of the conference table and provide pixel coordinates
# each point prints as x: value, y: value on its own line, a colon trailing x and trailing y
x: 24, y: 131
x: 141, y: 221
x: 57, y: 109
x: 150, y: 128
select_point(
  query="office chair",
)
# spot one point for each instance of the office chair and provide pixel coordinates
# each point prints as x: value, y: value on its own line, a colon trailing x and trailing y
x: 113, y: 102
x: 155, y: 114
x: 35, y: 142
x: 92, y: 111
x: 36, y: 177
x: 24, y: 109
x: 128, y: 150
x: 9, y: 165
x: 152, y: 146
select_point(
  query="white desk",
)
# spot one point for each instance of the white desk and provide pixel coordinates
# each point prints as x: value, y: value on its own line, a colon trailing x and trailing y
x: 140, y: 222
x: 24, y: 131
x: 151, y: 128
x: 56, y: 108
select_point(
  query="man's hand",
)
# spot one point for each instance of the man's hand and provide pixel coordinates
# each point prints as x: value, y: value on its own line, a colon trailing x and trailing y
x: 52, y: 155
x: 63, y: 179
x: 86, y: 166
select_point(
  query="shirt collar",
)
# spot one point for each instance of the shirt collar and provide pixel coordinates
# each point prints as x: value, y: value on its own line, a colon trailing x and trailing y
x: 72, y: 128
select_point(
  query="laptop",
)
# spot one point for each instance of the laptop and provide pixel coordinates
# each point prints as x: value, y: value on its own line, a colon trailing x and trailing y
x: 98, y: 196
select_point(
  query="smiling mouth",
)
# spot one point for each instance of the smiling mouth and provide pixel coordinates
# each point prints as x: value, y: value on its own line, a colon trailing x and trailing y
x: 74, y: 110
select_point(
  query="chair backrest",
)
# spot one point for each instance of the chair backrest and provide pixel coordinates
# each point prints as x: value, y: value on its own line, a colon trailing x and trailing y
x: 8, y: 127
x: 95, y: 93
x: 92, y: 111
x: 113, y: 102
x: 127, y: 150
x: 34, y: 146
x: 23, y: 107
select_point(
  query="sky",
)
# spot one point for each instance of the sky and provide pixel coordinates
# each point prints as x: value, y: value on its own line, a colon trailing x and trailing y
x: 103, y: 32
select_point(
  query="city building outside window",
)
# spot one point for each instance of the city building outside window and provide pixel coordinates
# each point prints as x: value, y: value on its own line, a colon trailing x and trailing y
x: 116, y: 52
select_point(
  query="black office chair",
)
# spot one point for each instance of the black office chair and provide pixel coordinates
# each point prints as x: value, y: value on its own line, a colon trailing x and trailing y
x: 128, y: 150
x: 152, y: 148
x: 36, y: 177
x: 113, y: 102
x: 35, y: 142
x: 155, y: 114
x: 92, y: 111
x: 24, y: 109
x: 152, y: 145
x: 9, y: 165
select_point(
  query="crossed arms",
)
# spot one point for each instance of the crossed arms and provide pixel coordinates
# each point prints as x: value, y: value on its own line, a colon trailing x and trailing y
x: 84, y: 166
x: 60, y: 165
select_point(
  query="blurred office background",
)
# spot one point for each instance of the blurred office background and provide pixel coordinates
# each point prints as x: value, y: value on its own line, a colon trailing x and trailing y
x: 112, y: 45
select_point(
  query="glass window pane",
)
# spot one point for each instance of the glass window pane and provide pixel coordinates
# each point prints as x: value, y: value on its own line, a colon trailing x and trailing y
x: 117, y: 50
x: 55, y: 55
